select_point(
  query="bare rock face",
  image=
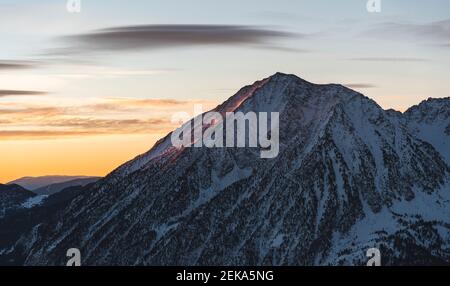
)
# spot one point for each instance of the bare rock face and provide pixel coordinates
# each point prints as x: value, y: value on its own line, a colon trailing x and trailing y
x: 349, y: 176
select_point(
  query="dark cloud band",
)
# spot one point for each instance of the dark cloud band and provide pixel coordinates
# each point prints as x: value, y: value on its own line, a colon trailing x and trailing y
x: 16, y: 65
x: 170, y: 36
x: 9, y: 92
x: 360, y: 85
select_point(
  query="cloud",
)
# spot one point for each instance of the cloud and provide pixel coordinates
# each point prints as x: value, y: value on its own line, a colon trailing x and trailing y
x: 125, y: 105
x: 153, y: 101
x: 107, y: 116
x: 104, y: 107
x: 109, y: 124
x: 17, y: 65
x: 27, y: 134
x: 360, y: 85
x: 76, y: 127
x: 32, y: 112
x: 437, y: 32
x: 389, y: 59
x: 146, y: 101
x: 151, y: 37
x: 12, y: 92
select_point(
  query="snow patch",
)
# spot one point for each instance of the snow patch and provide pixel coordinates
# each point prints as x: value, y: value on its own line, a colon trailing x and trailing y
x: 34, y: 201
x: 278, y: 240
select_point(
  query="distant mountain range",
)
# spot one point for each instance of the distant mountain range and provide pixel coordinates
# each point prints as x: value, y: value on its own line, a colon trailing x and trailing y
x: 57, y: 187
x: 36, y: 183
x: 14, y: 197
x: 29, y: 211
x: 349, y: 176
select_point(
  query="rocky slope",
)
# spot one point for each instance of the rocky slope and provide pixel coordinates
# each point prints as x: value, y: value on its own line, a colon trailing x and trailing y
x: 12, y: 197
x: 430, y: 121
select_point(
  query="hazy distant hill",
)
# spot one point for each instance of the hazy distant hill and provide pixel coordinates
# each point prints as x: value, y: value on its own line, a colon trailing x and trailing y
x: 55, y: 188
x: 34, y: 183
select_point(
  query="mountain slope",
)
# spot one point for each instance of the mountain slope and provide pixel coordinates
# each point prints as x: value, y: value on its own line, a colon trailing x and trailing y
x: 430, y: 121
x: 349, y: 176
x: 12, y: 197
x: 13, y: 226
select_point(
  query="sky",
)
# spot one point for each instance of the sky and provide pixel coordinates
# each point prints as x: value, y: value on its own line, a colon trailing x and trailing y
x: 82, y: 93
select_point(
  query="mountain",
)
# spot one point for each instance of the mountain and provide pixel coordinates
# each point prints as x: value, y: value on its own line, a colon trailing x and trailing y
x: 12, y: 197
x: 430, y: 121
x: 349, y: 176
x: 55, y: 188
x: 34, y: 183
x: 13, y: 226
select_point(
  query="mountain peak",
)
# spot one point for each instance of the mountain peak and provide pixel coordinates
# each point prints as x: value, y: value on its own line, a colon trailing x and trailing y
x: 444, y: 101
x: 430, y: 109
x: 283, y: 75
x: 279, y: 76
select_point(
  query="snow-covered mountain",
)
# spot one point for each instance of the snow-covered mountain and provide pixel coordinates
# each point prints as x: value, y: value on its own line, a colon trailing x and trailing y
x: 430, y: 121
x: 349, y: 176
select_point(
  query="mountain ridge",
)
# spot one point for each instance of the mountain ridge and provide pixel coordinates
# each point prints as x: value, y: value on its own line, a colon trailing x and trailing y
x: 57, y: 187
x: 33, y: 183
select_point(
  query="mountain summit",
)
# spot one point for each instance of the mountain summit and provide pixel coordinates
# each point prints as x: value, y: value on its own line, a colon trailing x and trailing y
x: 349, y: 176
